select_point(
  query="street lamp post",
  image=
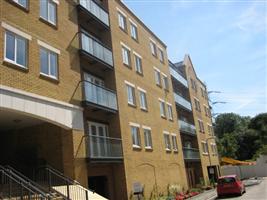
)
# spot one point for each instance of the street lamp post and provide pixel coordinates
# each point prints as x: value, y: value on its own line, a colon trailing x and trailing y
x: 207, y: 139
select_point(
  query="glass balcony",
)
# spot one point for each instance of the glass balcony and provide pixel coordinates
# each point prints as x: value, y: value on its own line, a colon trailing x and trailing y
x: 191, y: 154
x: 178, y: 77
x: 102, y: 147
x: 186, y: 127
x: 96, y: 10
x: 99, y: 95
x: 183, y: 102
x: 93, y: 47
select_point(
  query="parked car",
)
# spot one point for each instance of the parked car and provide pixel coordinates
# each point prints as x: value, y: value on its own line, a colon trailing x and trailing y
x: 230, y: 184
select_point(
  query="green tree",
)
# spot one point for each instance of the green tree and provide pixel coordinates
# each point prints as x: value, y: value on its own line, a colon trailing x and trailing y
x: 228, y: 146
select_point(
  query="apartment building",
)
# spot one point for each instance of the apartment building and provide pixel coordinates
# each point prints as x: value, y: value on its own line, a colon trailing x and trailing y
x: 195, y: 123
x: 85, y: 88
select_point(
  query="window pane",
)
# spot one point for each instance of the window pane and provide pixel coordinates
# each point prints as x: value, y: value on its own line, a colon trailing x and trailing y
x: 53, y: 64
x: 44, y: 8
x: 44, y: 61
x: 23, y: 3
x: 10, y: 46
x: 52, y: 12
x: 21, y: 51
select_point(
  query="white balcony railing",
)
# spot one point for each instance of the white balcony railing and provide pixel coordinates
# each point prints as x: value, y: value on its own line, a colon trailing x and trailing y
x: 186, y: 127
x: 181, y: 101
x: 96, y: 10
x: 191, y: 153
x: 96, y: 49
x: 178, y: 77
x: 101, y: 147
x: 99, y: 95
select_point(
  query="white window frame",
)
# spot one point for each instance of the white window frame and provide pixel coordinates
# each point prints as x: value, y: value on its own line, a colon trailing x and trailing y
x: 135, y: 138
x: 174, y: 145
x: 162, y: 108
x: 153, y: 48
x: 142, y: 92
x: 167, y: 142
x: 132, y: 86
x: 157, y: 76
x: 49, y: 67
x: 133, y: 30
x: 17, y: 2
x: 138, y: 69
x: 165, y: 81
x: 55, y: 3
x: 148, y: 139
x: 161, y: 55
x: 126, y: 51
x: 122, y: 20
x: 204, y: 148
x: 169, y: 111
x: 15, y: 50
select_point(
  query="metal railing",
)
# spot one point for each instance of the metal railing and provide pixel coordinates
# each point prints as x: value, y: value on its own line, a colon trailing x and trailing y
x: 55, y: 180
x: 95, y: 48
x: 14, y: 187
x: 99, y: 95
x: 96, y: 10
x: 178, y: 77
x: 182, y: 101
x: 186, y: 127
x: 191, y: 153
x: 100, y: 147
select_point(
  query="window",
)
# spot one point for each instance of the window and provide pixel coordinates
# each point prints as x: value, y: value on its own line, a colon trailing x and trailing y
x: 202, y: 92
x: 126, y: 57
x: 131, y: 94
x: 213, y: 149
x: 157, y: 77
x: 201, y: 126
x: 210, y: 129
x: 167, y: 141
x: 161, y: 55
x: 162, y: 108
x: 148, y: 139
x: 136, y: 136
x: 165, y: 82
x: 133, y: 31
x: 197, y: 105
x: 48, y: 11
x: 206, y: 110
x: 16, y: 48
x: 193, y: 84
x: 153, y: 48
x: 204, y: 147
x: 23, y: 3
x: 170, y: 115
x: 138, y: 64
x: 143, y: 101
x: 174, y: 142
x: 122, y: 21
x: 48, y: 62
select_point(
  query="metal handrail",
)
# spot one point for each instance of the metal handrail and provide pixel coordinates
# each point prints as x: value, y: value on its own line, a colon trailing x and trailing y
x: 104, y: 137
x: 189, y: 148
x: 110, y: 90
x: 101, y: 6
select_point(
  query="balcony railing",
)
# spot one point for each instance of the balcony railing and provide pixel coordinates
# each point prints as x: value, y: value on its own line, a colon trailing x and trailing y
x: 178, y: 77
x: 181, y: 101
x: 186, y: 127
x: 191, y: 153
x: 99, y: 95
x: 96, y: 10
x: 100, y: 147
x: 96, y: 49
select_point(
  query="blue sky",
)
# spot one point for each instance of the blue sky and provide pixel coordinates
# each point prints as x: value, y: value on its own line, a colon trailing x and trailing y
x: 226, y: 41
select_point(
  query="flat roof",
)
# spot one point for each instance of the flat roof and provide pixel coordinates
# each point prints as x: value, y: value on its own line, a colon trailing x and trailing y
x: 142, y: 23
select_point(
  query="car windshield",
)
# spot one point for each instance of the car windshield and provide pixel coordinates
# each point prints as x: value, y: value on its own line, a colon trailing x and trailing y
x: 226, y: 180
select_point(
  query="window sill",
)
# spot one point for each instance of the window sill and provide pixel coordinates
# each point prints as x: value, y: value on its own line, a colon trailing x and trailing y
x: 175, y: 151
x: 205, y: 154
x: 54, y: 26
x: 20, y: 6
x: 124, y: 30
x: 144, y: 109
x: 15, y: 66
x: 171, y: 120
x: 136, y: 147
x: 131, y: 105
x: 127, y: 65
x: 168, y: 150
x: 49, y: 78
x: 158, y: 85
x: 139, y: 73
x: 163, y: 117
x: 135, y: 39
x: 148, y: 148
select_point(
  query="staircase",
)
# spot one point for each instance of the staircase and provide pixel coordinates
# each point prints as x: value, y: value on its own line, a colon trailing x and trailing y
x: 49, y: 184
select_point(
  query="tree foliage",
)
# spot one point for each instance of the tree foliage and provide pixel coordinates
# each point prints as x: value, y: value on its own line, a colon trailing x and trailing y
x: 239, y: 137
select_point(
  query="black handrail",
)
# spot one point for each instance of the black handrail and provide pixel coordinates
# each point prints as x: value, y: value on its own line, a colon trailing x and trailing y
x: 26, y: 189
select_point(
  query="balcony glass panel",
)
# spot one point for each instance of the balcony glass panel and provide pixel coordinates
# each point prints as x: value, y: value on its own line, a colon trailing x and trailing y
x: 96, y: 49
x: 178, y: 77
x: 102, y: 147
x: 99, y: 95
x: 186, y: 127
x: 96, y: 10
x: 191, y: 153
x: 183, y: 102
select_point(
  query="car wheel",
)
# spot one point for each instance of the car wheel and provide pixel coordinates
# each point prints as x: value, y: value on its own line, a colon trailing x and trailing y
x: 241, y: 192
x: 245, y: 190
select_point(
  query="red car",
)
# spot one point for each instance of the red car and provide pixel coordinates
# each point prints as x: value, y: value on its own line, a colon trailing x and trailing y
x: 230, y: 184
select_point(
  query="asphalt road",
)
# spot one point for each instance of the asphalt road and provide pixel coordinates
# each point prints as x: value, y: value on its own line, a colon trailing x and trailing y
x: 254, y: 192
